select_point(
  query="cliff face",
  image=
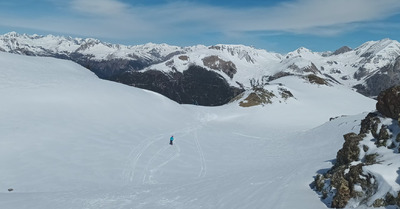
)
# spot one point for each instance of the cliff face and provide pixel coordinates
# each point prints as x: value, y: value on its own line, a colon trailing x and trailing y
x: 194, y: 86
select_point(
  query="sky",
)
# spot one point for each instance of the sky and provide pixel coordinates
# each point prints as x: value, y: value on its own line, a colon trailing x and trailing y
x: 273, y: 25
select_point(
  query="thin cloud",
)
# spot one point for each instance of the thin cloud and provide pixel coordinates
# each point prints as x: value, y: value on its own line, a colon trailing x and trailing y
x: 115, y: 19
x: 300, y: 16
x: 99, y: 7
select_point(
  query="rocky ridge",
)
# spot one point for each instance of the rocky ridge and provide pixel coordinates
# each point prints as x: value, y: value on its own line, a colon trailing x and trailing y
x: 366, y: 168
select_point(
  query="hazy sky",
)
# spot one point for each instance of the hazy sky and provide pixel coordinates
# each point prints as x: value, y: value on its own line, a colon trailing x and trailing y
x: 280, y: 26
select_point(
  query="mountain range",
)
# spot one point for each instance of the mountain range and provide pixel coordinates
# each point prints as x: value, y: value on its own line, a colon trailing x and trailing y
x: 214, y: 75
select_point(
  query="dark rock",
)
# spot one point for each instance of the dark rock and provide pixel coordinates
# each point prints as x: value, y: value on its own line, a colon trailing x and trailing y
x: 342, y: 196
x: 370, y: 159
x: 194, y: 86
x: 384, y: 133
x: 285, y: 94
x: 389, y: 199
x: 389, y: 102
x: 383, y: 136
x: 311, y: 69
x: 332, y: 79
x: 345, y: 180
x: 337, y: 175
x: 184, y: 57
x: 370, y: 124
x: 216, y: 63
x: 259, y: 97
x: 379, y: 203
x: 360, y: 73
x: 350, y: 151
x: 375, y: 83
x: 354, y: 178
x: 365, y: 148
x: 392, y: 145
x: 345, y: 185
x: 319, y: 182
x: 342, y: 50
x: 278, y: 75
x: 316, y: 80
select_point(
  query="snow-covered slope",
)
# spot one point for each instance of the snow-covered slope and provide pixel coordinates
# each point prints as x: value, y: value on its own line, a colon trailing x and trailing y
x: 71, y: 140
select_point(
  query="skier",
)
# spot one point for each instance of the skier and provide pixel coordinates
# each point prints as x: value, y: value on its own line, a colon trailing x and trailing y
x: 171, y: 140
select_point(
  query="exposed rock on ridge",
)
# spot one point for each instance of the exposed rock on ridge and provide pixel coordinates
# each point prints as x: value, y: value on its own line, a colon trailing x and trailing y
x: 355, y: 175
x: 342, y: 50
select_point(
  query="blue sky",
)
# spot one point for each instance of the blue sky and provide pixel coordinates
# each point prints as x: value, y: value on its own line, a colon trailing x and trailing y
x: 279, y: 26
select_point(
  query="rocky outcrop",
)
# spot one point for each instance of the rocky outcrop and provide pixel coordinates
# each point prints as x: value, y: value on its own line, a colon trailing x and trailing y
x: 370, y: 124
x: 346, y: 179
x: 263, y: 94
x: 316, y: 80
x: 216, y: 63
x: 342, y: 50
x: 389, y: 102
x: 349, y: 177
x: 350, y: 151
x: 258, y: 97
x: 194, y: 86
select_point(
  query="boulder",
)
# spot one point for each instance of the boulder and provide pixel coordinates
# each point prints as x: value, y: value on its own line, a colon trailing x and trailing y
x: 389, y: 102
x: 350, y: 151
x: 370, y: 124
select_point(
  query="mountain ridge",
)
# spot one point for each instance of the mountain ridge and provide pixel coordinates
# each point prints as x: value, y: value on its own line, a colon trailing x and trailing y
x: 361, y: 68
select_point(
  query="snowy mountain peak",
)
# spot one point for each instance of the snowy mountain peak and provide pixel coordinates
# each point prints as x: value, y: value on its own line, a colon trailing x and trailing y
x: 51, y: 45
x: 342, y: 50
x: 300, y: 52
x: 11, y: 34
x: 240, y: 51
x: 303, y: 50
x: 383, y: 47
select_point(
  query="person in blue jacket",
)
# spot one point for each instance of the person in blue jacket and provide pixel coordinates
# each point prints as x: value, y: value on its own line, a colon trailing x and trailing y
x: 171, y: 140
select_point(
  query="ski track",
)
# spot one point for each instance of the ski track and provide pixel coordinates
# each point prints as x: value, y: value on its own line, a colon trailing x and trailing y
x: 155, y: 169
x: 247, y: 136
x: 138, y: 156
x: 146, y: 170
x: 148, y: 173
x: 203, y: 170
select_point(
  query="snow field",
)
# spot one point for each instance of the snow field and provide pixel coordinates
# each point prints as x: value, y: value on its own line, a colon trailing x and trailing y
x: 70, y: 140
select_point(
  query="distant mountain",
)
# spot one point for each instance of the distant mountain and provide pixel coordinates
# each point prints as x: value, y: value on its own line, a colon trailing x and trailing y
x: 102, y: 58
x: 193, y: 74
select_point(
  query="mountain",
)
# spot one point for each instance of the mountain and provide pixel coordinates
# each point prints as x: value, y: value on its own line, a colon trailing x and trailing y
x: 72, y: 140
x: 102, y: 58
x: 214, y: 75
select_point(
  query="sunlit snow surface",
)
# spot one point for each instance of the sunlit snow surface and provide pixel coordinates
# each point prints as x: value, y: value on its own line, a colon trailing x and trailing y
x: 70, y: 140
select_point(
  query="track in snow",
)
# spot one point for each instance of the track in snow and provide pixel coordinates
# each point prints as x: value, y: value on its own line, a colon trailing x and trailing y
x: 132, y: 167
x: 203, y: 170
